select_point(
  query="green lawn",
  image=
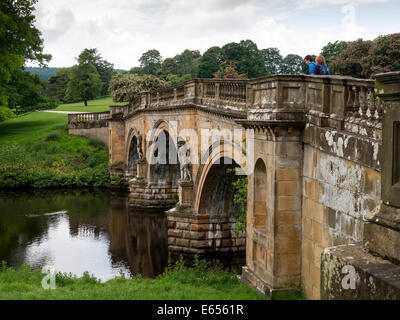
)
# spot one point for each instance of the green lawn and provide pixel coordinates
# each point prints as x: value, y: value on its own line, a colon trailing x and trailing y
x: 182, y: 283
x: 97, y: 105
x: 37, y: 151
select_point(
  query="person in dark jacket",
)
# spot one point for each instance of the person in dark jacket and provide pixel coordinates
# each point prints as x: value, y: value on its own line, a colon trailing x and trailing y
x: 321, y: 67
x: 311, y: 64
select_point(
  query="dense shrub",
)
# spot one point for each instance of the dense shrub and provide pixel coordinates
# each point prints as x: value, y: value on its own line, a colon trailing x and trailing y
x: 5, y: 114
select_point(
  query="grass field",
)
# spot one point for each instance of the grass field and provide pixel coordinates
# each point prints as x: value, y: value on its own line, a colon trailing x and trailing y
x: 182, y: 283
x: 36, y: 151
x: 97, y: 105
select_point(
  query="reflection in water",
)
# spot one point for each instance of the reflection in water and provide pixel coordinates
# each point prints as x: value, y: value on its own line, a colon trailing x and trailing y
x: 147, y: 248
x: 77, y: 231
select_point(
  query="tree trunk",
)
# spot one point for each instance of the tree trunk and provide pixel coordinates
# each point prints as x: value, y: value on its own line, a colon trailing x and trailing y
x: 85, y: 103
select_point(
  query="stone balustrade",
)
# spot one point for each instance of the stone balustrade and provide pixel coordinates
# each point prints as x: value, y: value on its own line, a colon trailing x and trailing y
x: 342, y: 103
x: 92, y: 116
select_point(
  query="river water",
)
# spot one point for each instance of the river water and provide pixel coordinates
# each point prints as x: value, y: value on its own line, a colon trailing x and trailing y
x: 77, y: 231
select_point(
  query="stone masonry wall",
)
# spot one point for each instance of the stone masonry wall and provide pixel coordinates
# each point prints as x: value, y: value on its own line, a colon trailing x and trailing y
x: 337, y: 194
x: 101, y: 134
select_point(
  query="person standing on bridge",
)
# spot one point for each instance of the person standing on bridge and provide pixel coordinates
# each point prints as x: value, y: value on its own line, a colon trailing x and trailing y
x: 309, y: 60
x: 321, y: 67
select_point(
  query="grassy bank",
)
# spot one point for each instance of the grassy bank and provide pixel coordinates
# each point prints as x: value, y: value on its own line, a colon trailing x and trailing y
x: 97, y: 105
x: 182, y: 283
x: 36, y: 151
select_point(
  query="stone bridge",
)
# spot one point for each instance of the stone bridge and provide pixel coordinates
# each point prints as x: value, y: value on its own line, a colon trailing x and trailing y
x: 310, y: 147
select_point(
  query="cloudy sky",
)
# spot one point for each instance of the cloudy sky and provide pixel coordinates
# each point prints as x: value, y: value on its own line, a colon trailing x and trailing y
x: 124, y: 29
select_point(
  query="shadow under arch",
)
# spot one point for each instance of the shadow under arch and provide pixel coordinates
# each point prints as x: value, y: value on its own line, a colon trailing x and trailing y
x: 260, y: 195
x: 213, y: 156
x: 215, y: 200
x: 132, y: 154
x: 164, y: 162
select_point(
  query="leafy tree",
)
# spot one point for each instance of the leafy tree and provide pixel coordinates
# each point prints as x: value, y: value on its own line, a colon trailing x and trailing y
x: 247, y: 57
x: 128, y: 87
x: 349, y: 61
x: 174, y: 79
x: 84, y: 82
x: 169, y: 67
x: 57, y: 86
x: 333, y: 49
x: 103, y: 67
x: 272, y: 59
x: 188, y: 62
x: 24, y: 91
x: 63, y: 71
x: 20, y: 40
x: 210, y: 62
x: 292, y: 64
x: 137, y: 70
x: 151, y: 61
x: 383, y: 56
x: 228, y: 70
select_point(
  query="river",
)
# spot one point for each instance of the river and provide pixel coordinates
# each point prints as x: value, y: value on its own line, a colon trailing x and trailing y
x: 75, y: 231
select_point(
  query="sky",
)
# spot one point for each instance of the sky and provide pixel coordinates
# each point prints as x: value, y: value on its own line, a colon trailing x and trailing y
x: 122, y: 30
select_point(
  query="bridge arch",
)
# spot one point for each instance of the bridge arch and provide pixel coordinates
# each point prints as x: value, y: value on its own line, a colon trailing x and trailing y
x: 213, y: 156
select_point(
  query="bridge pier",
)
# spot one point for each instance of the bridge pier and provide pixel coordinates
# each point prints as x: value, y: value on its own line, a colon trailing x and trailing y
x: 208, y: 237
x: 274, y: 216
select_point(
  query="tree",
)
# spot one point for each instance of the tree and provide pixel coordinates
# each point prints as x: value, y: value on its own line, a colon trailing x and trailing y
x: 128, y: 87
x: 333, y: 49
x: 20, y: 40
x: 84, y: 82
x: 228, y: 70
x: 150, y: 61
x: 24, y: 91
x: 272, y: 59
x: 137, y: 70
x: 103, y: 67
x: 169, y: 67
x: 188, y: 62
x: 174, y: 79
x: 210, y: 62
x: 57, y: 86
x: 349, y: 61
x: 247, y: 57
x: 383, y: 56
x: 292, y: 64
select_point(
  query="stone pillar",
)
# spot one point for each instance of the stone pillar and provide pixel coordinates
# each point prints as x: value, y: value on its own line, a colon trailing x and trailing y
x: 273, y: 246
x: 185, y: 193
x: 382, y: 233
x: 141, y: 169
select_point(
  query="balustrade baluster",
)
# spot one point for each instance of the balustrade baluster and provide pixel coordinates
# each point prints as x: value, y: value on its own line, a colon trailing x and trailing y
x: 372, y: 103
x: 356, y: 103
x: 363, y: 102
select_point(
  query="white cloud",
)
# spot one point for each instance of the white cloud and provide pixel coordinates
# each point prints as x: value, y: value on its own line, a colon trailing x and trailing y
x: 122, y: 30
x: 304, y: 4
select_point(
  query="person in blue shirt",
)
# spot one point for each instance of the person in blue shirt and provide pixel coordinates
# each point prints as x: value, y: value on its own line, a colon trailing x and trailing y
x: 311, y: 64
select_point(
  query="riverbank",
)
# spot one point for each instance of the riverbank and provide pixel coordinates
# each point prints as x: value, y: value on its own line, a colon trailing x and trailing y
x: 37, y: 152
x: 180, y: 283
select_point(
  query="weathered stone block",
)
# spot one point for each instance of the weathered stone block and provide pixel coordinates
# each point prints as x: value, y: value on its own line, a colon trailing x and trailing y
x: 374, y: 278
x: 384, y: 241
